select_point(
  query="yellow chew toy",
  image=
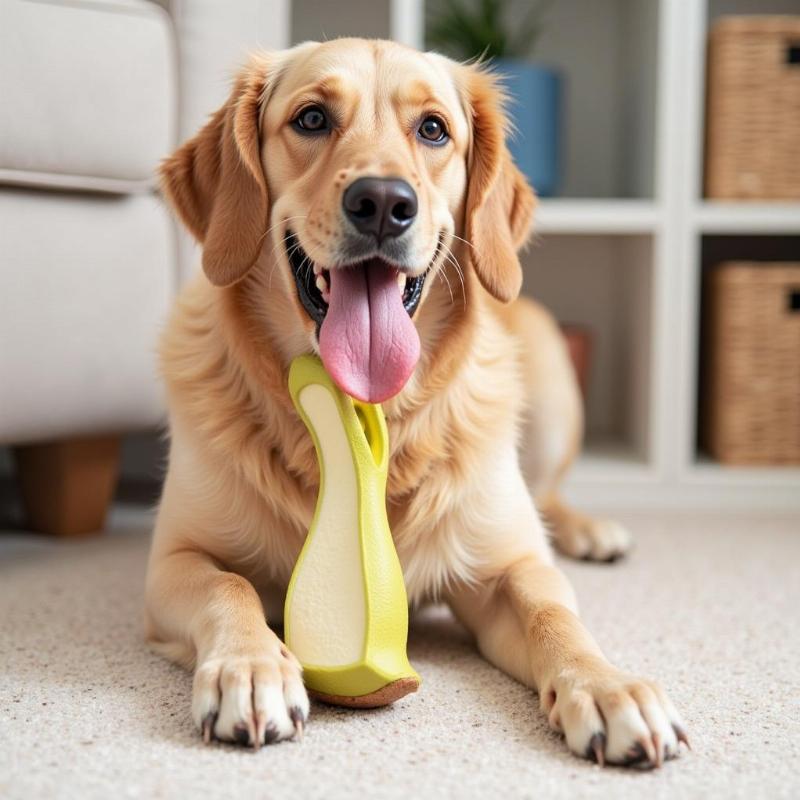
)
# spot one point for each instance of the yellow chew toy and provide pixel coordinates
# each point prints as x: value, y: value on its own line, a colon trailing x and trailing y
x: 346, y: 614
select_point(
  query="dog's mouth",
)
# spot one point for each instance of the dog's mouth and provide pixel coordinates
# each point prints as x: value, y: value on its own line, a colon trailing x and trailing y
x: 362, y: 311
x: 313, y: 281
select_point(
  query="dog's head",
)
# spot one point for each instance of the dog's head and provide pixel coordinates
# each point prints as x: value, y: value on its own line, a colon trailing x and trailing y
x: 354, y: 169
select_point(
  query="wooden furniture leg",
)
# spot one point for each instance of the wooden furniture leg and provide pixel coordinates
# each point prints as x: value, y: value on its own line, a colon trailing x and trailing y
x: 67, y: 486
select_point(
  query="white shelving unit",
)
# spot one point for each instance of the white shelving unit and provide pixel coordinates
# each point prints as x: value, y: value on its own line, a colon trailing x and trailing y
x: 707, y: 229
x: 623, y: 250
x: 780, y: 219
x: 581, y: 217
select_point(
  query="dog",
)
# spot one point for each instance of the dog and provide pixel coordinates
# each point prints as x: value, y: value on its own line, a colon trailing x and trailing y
x: 356, y: 199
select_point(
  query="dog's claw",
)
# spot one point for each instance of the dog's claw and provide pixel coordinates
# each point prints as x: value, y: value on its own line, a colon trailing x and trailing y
x: 597, y: 747
x: 681, y: 736
x: 261, y: 725
x: 296, y: 715
x: 659, y: 750
x: 208, y: 726
x: 650, y: 750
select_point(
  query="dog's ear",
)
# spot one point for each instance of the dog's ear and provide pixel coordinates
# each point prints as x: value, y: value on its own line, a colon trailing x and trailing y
x: 216, y: 182
x: 500, y: 203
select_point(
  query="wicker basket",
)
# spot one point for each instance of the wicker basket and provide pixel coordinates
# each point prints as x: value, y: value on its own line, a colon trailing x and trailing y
x: 753, y: 109
x: 751, y: 380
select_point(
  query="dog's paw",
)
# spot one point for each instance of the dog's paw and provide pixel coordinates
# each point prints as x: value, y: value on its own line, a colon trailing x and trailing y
x: 614, y: 718
x: 252, y: 697
x: 592, y: 539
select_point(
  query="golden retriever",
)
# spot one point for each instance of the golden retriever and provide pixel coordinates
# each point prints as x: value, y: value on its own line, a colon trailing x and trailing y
x: 356, y: 199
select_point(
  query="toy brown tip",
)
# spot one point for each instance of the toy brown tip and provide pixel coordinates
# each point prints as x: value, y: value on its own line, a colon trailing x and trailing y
x: 384, y: 696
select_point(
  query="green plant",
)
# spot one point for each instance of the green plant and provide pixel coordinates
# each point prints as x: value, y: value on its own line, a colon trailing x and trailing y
x: 468, y: 29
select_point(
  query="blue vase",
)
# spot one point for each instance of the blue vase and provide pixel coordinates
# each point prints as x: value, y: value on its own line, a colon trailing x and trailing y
x: 535, y: 110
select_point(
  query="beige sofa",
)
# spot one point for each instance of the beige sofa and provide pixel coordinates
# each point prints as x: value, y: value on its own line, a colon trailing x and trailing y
x: 93, y: 94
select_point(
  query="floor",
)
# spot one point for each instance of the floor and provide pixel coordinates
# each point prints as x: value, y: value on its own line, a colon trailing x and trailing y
x: 707, y: 604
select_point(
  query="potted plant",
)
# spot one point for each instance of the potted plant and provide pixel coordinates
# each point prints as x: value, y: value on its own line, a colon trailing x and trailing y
x: 484, y: 29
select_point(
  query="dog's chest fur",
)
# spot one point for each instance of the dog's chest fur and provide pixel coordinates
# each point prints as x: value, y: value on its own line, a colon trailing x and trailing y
x: 249, y: 466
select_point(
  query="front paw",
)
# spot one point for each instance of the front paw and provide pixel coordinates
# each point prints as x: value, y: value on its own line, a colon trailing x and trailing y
x: 610, y: 717
x: 251, y: 695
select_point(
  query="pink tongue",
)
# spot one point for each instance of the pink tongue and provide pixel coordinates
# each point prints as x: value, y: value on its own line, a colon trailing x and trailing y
x: 369, y: 344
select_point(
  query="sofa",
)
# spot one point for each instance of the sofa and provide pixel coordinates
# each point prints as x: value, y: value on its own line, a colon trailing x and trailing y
x: 93, y: 94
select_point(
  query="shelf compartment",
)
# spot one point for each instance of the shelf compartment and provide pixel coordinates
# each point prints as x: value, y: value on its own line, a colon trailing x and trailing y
x: 604, y: 283
x: 716, y: 249
x: 608, y: 54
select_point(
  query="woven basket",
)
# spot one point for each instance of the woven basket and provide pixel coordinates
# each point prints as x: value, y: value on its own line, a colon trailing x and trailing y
x: 751, y: 388
x: 753, y: 109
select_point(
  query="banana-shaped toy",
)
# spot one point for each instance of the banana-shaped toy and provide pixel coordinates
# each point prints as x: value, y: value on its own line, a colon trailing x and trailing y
x: 346, y: 614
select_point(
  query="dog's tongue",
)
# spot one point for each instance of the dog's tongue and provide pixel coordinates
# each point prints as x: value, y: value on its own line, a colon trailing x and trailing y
x: 368, y: 343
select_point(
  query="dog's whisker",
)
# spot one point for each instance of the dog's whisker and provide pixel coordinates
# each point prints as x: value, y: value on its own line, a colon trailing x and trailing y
x: 443, y: 275
x: 450, y: 258
x: 274, y: 260
x: 276, y: 245
x: 308, y: 265
x: 454, y: 261
x: 280, y: 222
x: 462, y: 239
x: 271, y: 272
x: 309, y: 251
x: 463, y: 292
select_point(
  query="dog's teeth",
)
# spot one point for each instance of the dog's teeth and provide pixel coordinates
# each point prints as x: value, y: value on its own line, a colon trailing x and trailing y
x: 401, y: 281
x: 322, y: 285
x: 317, y: 269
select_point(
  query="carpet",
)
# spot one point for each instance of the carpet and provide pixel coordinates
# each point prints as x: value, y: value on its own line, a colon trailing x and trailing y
x: 708, y: 604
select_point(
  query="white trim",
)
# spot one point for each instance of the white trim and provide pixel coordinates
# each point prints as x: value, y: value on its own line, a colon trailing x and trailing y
x: 711, y: 216
x: 613, y: 497
x: 596, y: 216
x: 687, y: 263
x: 407, y: 22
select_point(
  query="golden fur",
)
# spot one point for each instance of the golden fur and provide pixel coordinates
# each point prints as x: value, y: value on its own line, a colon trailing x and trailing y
x: 242, y: 478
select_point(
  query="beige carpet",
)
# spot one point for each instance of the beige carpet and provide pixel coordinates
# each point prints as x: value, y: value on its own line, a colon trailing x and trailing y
x: 709, y: 605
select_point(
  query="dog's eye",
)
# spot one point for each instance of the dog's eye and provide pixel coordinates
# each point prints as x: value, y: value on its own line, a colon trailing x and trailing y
x: 432, y: 130
x: 312, y: 119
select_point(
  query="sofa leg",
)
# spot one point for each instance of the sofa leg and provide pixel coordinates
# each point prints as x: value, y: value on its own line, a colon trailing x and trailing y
x: 67, y: 486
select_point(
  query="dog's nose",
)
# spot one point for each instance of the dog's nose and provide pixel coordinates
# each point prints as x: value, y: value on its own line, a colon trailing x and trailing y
x: 380, y: 206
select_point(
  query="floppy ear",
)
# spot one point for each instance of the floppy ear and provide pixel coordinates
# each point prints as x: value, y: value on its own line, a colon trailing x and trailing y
x: 216, y: 183
x: 500, y: 202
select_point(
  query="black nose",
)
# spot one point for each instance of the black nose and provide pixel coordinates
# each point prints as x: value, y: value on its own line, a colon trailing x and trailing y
x: 380, y: 206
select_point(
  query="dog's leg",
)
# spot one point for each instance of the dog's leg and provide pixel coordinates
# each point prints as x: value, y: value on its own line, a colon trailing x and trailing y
x: 248, y: 687
x: 525, y: 622
x: 552, y: 429
x: 581, y: 536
